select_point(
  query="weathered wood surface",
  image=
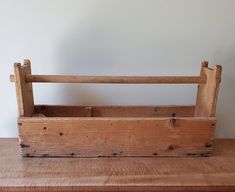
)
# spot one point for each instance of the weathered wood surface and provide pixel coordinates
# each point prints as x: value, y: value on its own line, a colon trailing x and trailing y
x: 117, y: 131
x: 115, y: 111
x: 215, y: 173
x: 113, y: 79
x: 94, y: 136
x: 24, y: 91
x: 207, y: 93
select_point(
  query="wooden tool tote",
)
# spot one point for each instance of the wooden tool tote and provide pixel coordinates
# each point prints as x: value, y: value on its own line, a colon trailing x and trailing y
x: 100, y: 131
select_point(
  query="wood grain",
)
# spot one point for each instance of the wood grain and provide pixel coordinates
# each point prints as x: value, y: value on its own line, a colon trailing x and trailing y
x: 91, y: 131
x: 114, y: 79
x: 94, y: 136
x: 215, y: 173
x: 24, y: 91
x: 207, y: 93
x: 115, y: 111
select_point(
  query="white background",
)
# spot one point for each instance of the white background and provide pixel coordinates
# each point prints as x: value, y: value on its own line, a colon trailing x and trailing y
x: 107, y: 37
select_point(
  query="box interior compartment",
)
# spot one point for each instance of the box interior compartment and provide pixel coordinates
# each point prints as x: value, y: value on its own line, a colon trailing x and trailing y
x: 113, y: 111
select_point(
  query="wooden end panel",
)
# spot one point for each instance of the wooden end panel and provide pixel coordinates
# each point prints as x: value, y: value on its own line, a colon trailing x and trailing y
x: 24, y: 90
x: 98, y: 137
x: 207, y: 93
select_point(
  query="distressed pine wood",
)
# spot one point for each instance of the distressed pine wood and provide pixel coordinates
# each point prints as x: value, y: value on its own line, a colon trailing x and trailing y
x: 114, y: 79
x: 115, y: 111
x: 92, y: 137
x: 91, y: 131
x: 24, y: 91
x: 207, y: 93
x: 215, y: 173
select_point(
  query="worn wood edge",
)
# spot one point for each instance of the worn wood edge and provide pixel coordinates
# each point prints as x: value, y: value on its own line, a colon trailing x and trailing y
x: 18, y: 88
x: 115, y: 110
x: 31, y: 119
x: 218, y: 74
x: 24, y: 90
x: 207, y: 94
x: 61, y: 105
x: 122, y: 187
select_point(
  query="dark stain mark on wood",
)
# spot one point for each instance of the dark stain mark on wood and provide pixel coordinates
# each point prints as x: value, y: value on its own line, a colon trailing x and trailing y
x: 61, y: 134
x: 208, y: 145
x: 19, y: 124
x: 173, y: 120
x: 43, y: 108
x: 101, y: 156
x: 45, y: 128
x: 173, y: 147
x: 117, y: 153
x: 192, y: 154
x: 155, y: 154
x: 28, y: 155
x: 22, y: 145
x: 206, y: 154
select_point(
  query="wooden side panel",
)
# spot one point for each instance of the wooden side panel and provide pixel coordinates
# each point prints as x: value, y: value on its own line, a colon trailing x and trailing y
x: 207, y: 93
x: 97, y: 137
x: 115, y: 111
x: 24, y: 91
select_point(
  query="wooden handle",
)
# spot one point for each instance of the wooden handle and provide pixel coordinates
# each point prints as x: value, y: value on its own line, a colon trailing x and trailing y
x: 114, y: 79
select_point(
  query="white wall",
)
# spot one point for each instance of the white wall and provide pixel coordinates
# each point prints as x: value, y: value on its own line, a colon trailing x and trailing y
x: 106, y: 37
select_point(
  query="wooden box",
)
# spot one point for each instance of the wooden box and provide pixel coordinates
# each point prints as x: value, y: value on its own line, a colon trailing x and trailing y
x: 116, y: 131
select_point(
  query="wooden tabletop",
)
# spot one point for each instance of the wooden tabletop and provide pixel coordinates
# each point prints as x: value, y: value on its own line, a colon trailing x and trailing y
x: 216, y: 173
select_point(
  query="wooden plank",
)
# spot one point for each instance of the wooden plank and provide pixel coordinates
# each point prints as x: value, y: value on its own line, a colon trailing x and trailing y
x: 93, y: 136
x: 143, y: 111
x: 114, y: 79
x: 115, y: 111
x: 216, y: 173
x: 24, y: 91
x: 64, y: 110
x: 207, y: 93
